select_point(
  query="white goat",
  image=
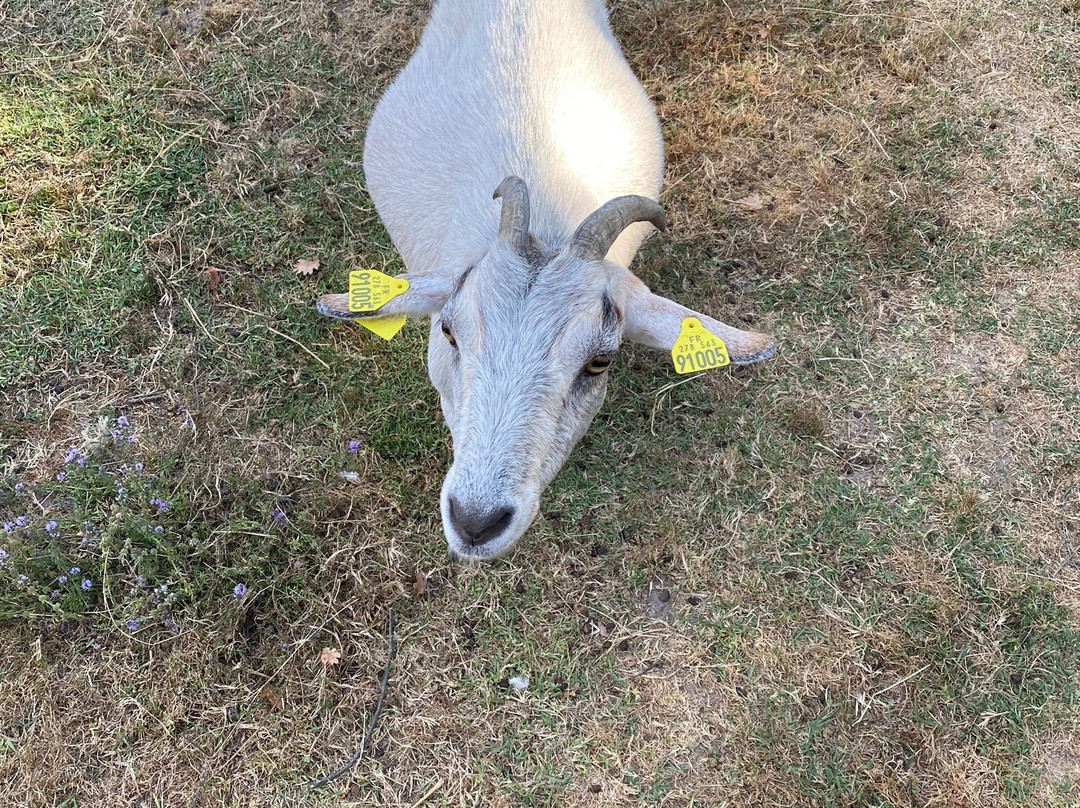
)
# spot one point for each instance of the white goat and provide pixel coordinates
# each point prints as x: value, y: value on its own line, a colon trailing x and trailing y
x: 528, y: 306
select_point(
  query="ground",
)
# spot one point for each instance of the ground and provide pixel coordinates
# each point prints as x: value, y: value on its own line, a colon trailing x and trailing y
x: 847, y: 577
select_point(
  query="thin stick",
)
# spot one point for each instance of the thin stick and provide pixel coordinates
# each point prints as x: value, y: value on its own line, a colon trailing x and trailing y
x: 427, y: 794
x: 359, y: 753
x: 295, y: 342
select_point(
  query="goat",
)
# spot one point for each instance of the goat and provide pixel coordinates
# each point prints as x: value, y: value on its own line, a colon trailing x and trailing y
x: 530, y: 298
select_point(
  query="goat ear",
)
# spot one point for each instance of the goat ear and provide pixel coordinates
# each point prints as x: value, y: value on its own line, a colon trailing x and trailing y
x: 656, y: 321
x: 427, y: 293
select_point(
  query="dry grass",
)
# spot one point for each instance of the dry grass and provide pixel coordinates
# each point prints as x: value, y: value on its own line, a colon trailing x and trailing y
x: 846, y: 578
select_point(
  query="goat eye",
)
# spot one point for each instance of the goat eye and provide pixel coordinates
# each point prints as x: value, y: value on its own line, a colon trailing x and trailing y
x: 598, y: 364
x: 448, y: 334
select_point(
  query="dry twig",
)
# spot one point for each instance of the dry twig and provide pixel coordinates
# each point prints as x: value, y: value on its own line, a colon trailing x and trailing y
x: 359, y: 753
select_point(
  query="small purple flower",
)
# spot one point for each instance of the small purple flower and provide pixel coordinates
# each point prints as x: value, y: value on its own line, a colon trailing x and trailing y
x: 139, y: 466
x: 277, y: 514
x: 50, y: 526
x: 74, y: 571
x: 132, y: 625
x: 62, y: 579
x: 72, y: 453
x: 122, y: 421
x: 60, y: 477
x: 239, y: 590
x: 159, y: 529
x: 86, y: 585
x: 354, y: 446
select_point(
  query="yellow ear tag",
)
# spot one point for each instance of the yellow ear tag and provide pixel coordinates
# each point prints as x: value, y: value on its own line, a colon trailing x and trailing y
x: 370, y: 290
x: 385, y: 327
x: 696, y: 349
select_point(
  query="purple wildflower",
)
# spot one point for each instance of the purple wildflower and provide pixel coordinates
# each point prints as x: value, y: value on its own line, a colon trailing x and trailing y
x: 74, y: 571
x: 239, y: 590
x: 132, y: 625
x: 72, y: 453
x: 60, y: 477
x: 277, y: 514
x: 50, y: 526
x: 62, y: 579
x: 354, y: 446
x: 86, y: 585
x: 122, y: 421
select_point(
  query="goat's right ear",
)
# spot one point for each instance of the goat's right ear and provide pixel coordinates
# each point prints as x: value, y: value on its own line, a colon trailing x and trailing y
x: 427, y: 293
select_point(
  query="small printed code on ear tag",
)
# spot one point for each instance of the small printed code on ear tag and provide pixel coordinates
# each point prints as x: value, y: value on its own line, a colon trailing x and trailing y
x: 370, y: 290
x: 385, y: 327
x: 696, y: 349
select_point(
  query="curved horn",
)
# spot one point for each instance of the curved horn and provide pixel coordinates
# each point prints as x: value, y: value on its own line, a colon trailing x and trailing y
x: 598, y: 232
x: 514, y: 221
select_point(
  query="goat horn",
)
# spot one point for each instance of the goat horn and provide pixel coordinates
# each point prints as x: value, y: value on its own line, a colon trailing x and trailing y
x: 514, y: 221
x: 598, y: 232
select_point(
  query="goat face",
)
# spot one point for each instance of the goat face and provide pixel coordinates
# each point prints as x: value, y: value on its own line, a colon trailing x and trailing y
x: 519, y: 354
x: 519, y: 350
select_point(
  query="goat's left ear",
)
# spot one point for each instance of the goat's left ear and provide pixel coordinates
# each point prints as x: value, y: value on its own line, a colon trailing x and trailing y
x: 656, y: 321
x: 427, y: 293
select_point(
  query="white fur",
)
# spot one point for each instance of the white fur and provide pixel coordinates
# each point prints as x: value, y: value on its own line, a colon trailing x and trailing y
x: 538, y: 89
x: 533, y: 88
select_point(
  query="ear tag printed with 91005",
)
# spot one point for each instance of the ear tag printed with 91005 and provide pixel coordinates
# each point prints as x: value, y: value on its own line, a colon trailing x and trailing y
x: 370, y: 290
x: 696, y: 349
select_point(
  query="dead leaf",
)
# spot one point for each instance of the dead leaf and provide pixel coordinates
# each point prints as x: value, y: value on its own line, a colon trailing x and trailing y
x: 306, y: 266
x: 752, y: 203
x: 273, y: 697
x: 213, y: 279
x: 330, y: 657
x: 420, y: 584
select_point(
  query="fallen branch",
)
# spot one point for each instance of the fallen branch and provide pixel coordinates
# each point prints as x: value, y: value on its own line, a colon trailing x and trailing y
x: 359, y: 753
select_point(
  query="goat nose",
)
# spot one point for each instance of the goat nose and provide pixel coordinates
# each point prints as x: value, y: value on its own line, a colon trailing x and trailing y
x: 478, y: 525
